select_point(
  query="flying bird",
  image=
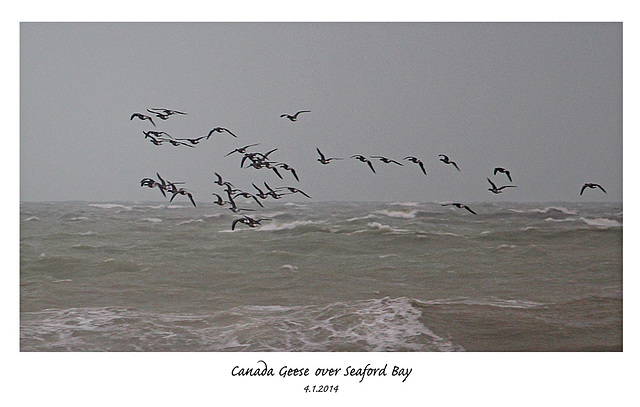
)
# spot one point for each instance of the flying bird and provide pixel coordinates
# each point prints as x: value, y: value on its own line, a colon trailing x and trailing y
x: 323, y: 159
x: 289, y: 168
x: 502, y: 170
x: 219, y: 130
x: 247, y: 221
x: 364, y: 160
x: 294, y: 117
x: 294, y: 190
x: 446, y: 160
x: 417, y: 161
x: 183, y: 191
x: 591, y: 185
x: 385, y: 159
x: 192, y: 140
x: 497, y: 190
x: 241, y: 150
x: 142, y: 117
x: 459, y: 205
x: 162, y: 113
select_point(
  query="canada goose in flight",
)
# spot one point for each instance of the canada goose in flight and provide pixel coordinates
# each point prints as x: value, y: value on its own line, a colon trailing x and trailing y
x: 241, y: 150
x: 151, y: 183
x: 179, y: 143
x: 258, y: 159
x: 247, y: 221
x: 294, y: 190
x: 220, y: 130
x: 417, y: 161
x: 183, y: 191
x: 261, y: 194
x: 446, y: 160
x: 248, y: 195
x: 497, y: 190
x: 287, y: 167
x: 459, y: 205
x: 323, y: 159
x: 385, y: 159
x: 156, y: 134
x: 219, y: 200
x: 192, y: 140
x: 364, y: 160
x: 502, y: 170
x: 591, y: 185
x: 163, y: 113
x: 142, y: 117
x: 294, y: 117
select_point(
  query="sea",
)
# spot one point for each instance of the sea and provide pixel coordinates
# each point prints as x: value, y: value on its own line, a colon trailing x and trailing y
x: 321, y: 277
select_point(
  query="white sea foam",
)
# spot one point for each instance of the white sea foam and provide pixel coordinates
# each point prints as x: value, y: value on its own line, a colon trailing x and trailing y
x: 186, y: 222
x: 289, y: 267
x: 369, y: 216
x: 152, y: 220
x: 87, y: 233
x: 398, y: 214
x: 385, y: 228
x: 561, y: 220
x: 548, y: 209
x: 77, y: 218
x: 31, y: 218
x: 111, y: 206
x: 405, y: 203
x: 289, y: 225
x: 601, y: 222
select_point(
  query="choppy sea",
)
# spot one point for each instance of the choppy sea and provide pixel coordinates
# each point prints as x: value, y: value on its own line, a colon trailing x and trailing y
x: 321, y: 276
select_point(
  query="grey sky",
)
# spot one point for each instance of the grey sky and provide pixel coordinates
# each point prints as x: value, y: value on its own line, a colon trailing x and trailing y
x: 541, y: 99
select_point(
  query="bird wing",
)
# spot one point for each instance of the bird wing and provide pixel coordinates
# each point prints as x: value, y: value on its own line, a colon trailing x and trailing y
x: 469, y: 209
x: 320, y: 152
x: 492, y: 184
x: 422, y: 167
x: 508, y: 176
x: 227, y: 130
x: 295, y: 175
x: 371, y: 166
x: 191, y: 198
x: 455, y: 165
x: 233, y: 224
x: 583, y: 187
x: 599, y: 186
x: 395, y: 162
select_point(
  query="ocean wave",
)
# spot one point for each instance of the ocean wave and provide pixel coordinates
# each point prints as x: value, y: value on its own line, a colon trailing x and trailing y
x: 398, y: 214
x: 489, y: 302
x: 602, y: 222
x: 384, y: 324
x: 289, y: 225
x: 186, y: 222
x: 560, y: 220
x: 548, y: 209
x: 151, y: 220
x: 111, y: 206
x: 32, y: 218
x: 405, y: 203
x: 386, y: 228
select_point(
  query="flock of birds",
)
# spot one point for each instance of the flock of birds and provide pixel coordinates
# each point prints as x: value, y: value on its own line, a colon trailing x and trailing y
x: 259, y: 160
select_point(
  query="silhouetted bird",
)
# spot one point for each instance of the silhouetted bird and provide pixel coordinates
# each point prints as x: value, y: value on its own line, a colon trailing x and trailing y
x: 446, y: 160
x: 183, y: 191
x: 591, y: 185
x: 459, y: 205
x: 142, y: 117
x: 502, y: 170
x: 219, y: 130
x: 294, y: 117
x: 241, y: 150
x: 415, y: 160
x: 497, y: 190
x: 325, y: 160
x: 247, y: 221
x: 364, y: 160
x: 385, y: 159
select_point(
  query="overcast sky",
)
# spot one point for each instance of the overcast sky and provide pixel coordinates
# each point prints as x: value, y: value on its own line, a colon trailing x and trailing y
x: 543, y: 100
